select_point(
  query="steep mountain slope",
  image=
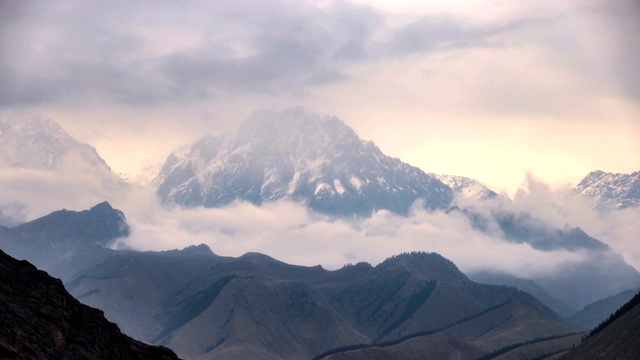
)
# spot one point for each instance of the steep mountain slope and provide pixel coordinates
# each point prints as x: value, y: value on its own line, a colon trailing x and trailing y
x: 40, y: 320
x: 597, y: 312
x: 130, y: 287
x: 301, y: 156
x: 619, y: 339
x: 611, y: 190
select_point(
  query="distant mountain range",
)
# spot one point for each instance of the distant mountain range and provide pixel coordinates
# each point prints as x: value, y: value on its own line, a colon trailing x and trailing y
x: 391, y: 309
x: 207, y: 306
x: 300, y: 156
x: 255, y: 306
x: 317, y: 160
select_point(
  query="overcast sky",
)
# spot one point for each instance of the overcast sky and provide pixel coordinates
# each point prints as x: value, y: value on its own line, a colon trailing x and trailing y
x: 486, y: 89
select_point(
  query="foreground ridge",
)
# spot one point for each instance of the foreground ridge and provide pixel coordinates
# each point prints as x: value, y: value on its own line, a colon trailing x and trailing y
x: 41, y: 320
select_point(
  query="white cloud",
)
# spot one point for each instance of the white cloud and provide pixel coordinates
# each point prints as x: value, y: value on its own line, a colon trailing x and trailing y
x: 288, y: 232
x: 619, y: 229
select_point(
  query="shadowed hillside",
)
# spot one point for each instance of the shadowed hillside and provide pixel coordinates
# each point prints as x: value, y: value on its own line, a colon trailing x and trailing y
x: 40, y: 320
x: 616, y: 338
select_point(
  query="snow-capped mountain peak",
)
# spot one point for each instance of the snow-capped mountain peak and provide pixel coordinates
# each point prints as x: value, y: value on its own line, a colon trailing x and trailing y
x: 33, y: 143
x: 298, y: 155
x: 611, y: 190
x: 45, y: 145
x: 466, y: 187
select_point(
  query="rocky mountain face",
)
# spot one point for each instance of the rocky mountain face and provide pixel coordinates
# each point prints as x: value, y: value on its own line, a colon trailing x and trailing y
x: 40, y: 320
x: 300, y: 156
x: 611, y: 190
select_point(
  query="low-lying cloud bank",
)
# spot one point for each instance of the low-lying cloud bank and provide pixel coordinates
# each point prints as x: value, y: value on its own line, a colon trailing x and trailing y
x: 289, y: 232
x: 619, y: 229
x: 26, y: 194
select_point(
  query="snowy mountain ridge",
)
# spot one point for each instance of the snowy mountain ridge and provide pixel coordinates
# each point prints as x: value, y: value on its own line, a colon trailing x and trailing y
x: 40, y: 144
x: 298, y: 155
x: 611, y: 190
x: 36, y: 146
x: 466, y: 187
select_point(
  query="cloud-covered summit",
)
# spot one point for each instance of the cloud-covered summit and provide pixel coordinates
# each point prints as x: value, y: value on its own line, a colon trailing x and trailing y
x: 42, y: 144
x: 301, y: 156
x: 45, y: 169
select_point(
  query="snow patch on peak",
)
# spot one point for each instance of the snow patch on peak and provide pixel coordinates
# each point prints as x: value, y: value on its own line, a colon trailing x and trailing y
x: 356, y: 183
x: 322, y: 187
x: 337, y: 184
x: 293, y: 184
x: 466, y: 187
